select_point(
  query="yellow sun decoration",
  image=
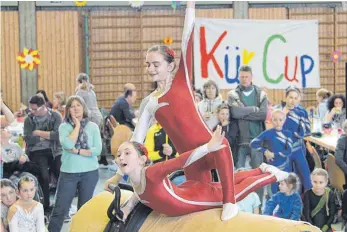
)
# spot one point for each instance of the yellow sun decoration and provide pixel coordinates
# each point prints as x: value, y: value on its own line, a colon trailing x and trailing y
x: 29, y: 59
x: 80, y: 3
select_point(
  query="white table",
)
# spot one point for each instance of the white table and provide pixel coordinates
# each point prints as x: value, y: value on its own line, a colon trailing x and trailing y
x: 327, y: 141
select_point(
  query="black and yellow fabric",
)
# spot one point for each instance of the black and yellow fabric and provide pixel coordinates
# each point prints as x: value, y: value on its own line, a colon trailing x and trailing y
x: 155, y: 139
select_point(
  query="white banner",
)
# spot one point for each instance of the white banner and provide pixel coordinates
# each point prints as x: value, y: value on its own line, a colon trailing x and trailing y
x: 280, y: 52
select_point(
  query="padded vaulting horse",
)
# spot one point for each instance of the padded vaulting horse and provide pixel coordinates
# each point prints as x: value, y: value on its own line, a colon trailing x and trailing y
x: 93, y: 217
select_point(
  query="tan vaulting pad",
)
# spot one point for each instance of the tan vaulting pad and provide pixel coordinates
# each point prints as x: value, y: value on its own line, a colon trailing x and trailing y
x: 210, y: 221
x: 92, y: 217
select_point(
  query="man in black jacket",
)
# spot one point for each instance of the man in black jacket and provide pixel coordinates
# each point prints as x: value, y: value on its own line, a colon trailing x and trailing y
x: 41, y: 134
x: 122, y: 109
x: 248, y: 106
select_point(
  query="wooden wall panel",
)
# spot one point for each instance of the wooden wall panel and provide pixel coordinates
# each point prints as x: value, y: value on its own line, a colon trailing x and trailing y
x: 10, y: 69
x: 157, y: 25
x: 120, y: 39
x: 115, y: 53
x: 58, y: 42
x: 341, y: 45
x: 275, y: 95
x: 326, y: 46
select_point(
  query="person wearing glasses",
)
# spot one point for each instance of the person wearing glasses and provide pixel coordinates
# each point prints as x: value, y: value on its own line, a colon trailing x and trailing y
x: 42, y: 138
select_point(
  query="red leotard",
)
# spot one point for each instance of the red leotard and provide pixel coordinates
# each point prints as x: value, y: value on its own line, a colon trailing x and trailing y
x: 192, y: 196
x: 177, y: 114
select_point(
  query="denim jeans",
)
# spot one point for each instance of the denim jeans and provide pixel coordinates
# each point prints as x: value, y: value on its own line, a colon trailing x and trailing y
x: 179, y: 180
x: 68, y: 183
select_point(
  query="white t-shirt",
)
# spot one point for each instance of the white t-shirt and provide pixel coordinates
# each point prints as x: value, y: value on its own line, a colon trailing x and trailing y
x: 249, y: 203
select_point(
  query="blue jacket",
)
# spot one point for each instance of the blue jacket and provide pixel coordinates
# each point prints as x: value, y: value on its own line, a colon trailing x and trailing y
x: 290, y: 207
x: 294, y: 123
x: 305, y: 119
x: 278, y: 142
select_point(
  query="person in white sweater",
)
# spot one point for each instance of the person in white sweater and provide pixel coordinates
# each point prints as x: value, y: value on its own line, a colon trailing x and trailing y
x: 26, y: 215
x: 208, y: 106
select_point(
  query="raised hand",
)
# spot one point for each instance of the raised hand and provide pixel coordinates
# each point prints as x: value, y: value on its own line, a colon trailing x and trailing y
x: 216, y: 140
x: 75, y: 120
x: 106, y: 185
x: 126, y: 211
x: 191, y: 4
x: 167, y: 149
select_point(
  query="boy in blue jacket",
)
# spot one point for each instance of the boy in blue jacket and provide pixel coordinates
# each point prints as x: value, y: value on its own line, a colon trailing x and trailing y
x: 275, y: 144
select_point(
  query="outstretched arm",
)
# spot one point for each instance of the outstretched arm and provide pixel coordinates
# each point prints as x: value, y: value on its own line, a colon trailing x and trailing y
x: 257, y: 142
x: 143, y: 124
x: 9, y: 117
x: 188, y: 23
x: 162, y: 169
x: 129, y: 206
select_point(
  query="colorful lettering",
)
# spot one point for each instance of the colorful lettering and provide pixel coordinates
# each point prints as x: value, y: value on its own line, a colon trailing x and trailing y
x: 246, y: 57
x: 287, y: 74
x: 267, y: 44
x: 304, y: 71
x: 226, y: 66
x: 206, y: 57
x: 286, y: 69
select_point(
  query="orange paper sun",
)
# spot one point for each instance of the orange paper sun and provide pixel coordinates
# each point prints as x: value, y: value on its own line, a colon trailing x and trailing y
x: 28, y: 59
x: 168, y: 41
x: 80, y: 3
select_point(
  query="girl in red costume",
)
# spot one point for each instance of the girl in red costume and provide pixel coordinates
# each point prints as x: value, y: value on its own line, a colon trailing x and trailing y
x: 172, y: 104
x: 153, y: 188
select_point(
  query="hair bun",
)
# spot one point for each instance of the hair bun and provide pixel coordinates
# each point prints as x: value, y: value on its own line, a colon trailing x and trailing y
x: 82, y: 77
x: 144, y: 149
x: 170, y: 52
